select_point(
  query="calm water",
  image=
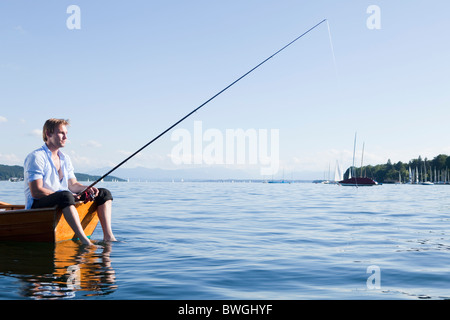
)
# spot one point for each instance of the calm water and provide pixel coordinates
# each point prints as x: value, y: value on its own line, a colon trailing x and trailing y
x: 246, y: 241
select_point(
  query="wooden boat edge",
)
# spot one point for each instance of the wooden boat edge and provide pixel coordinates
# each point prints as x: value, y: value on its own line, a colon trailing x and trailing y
x: 43, y: 224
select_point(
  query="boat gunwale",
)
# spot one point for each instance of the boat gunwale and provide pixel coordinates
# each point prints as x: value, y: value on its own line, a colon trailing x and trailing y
x: 36, y: 210
x: 60, y: 229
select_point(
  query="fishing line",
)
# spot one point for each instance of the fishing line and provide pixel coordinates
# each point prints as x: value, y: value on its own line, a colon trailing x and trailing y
x: 332, y: 50
x: 199, y: 107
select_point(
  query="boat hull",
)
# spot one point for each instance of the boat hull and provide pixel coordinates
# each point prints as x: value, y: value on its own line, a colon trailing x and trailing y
x: 43, y: 225
x: 357, y: 181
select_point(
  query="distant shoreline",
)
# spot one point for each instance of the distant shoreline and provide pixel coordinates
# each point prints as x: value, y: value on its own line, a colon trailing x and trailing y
x: 15, y: 173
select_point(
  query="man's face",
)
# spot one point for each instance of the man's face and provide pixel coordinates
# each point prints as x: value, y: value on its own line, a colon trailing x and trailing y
x: 58, y: 138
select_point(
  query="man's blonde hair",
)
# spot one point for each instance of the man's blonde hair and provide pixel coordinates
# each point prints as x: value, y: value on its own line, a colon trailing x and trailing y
x: 51, y: 124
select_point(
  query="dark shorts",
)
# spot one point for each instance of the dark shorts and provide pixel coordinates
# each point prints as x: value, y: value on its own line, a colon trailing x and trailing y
x: 63, y: 199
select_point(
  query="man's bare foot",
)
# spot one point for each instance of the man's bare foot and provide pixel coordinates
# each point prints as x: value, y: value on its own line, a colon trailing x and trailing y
x: 109, y: 239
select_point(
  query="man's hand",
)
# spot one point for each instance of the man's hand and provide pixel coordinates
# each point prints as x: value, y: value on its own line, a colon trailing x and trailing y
x: 89, y: 194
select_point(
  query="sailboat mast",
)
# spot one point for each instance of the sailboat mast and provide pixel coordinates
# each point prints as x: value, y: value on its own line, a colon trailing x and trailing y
x: 354, y: 150
x: 362, y: 158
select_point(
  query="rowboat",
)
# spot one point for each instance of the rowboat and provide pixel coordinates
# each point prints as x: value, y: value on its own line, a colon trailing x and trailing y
x: 43, y: 225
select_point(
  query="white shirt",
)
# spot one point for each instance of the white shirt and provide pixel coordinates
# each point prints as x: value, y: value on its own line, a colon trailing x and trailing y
x: 39, y: 165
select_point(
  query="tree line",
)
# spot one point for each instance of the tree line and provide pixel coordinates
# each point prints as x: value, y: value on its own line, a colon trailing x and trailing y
x: 16, y: 172
x: 434, y: 170
x: 8, y: 172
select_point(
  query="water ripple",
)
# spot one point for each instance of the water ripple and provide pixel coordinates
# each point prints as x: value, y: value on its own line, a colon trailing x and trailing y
x: 246, y: 241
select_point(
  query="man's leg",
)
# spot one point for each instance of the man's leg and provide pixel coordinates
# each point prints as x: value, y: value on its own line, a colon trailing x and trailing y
x: 104, y: 211
x: 104, y: 215
x: 66, y: 201
x: 73, y: 219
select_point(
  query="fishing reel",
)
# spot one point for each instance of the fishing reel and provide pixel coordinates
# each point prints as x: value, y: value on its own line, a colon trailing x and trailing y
x: 88, y: 197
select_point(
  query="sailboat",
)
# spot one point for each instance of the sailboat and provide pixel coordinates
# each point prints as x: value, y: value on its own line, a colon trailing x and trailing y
x: 279, y: 181
x: 352, y: 179
x: 338, y: 176
x: 425, y: 180
x: 327, y: 181
x: 358, y: 182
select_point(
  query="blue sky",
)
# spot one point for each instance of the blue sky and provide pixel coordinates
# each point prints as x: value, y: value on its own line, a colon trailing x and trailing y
x: 135, y: 67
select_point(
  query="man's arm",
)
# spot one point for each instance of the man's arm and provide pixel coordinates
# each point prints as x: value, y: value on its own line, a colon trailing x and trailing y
x: 37, y: 189
x: 77, y: 187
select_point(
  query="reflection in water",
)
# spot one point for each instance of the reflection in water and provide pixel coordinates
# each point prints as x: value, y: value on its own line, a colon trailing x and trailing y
x: 61, y: 270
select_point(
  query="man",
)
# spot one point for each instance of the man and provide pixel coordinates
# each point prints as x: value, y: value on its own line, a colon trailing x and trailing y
x: 50, y: 181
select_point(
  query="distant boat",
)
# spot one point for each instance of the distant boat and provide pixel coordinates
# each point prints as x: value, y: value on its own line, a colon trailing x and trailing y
x: 338, y: 176
x: 399, y: 179
x: 278, y: 181
x: 357, y: 181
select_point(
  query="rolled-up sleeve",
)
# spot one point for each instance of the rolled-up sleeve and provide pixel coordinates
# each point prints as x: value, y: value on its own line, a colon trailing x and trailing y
x: 69, y: 167
x: 34, y: 167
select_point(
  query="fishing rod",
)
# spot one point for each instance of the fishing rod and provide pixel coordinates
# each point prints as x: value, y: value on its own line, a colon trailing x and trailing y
x: 199, y: 107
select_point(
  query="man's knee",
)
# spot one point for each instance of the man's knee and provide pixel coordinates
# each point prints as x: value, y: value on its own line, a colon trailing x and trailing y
x: 103, y: 196
x: 65, y: 199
